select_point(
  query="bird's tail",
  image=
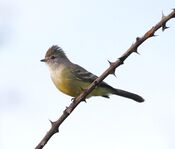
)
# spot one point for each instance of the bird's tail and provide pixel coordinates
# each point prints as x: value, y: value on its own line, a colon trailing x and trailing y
x: 127, y: 94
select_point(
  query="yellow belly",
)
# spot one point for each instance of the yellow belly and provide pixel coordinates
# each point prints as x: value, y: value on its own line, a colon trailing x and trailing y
x: 70, y: 87
x: 68, y: 84
x: 74, y: 88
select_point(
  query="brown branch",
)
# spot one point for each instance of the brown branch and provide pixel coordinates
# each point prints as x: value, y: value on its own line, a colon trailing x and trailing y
x: 113, y: 65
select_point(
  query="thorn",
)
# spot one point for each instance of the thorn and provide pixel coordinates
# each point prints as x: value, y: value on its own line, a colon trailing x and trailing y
x: 163, y: 15
x: 136, y: 51
x: 52, y: 123
x: 84, y: 100
x: 109, y: 62
x: 154, y: 35
x: 114, y: 74
x: 112, y: 71
x: 164, y: 27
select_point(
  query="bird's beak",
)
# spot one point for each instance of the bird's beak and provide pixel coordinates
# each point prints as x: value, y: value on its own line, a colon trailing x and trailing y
x: 43, y: 60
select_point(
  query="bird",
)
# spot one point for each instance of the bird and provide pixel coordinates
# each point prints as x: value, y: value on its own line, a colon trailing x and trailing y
x: 72, y: 79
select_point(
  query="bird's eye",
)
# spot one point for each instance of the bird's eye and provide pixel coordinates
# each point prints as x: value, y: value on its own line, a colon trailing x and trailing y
x: 52, y: 57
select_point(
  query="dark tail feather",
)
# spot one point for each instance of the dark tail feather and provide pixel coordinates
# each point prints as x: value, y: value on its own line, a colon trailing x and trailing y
x: 128, y: 95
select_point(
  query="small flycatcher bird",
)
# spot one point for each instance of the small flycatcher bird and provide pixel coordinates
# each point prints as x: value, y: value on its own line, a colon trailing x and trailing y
x: 71, y: 78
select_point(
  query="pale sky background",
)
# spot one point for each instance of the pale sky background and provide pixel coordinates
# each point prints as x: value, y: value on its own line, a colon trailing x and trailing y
x: 91, y: 32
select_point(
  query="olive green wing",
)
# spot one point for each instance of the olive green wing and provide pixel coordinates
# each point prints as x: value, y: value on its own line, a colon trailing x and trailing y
x: 82, y: 74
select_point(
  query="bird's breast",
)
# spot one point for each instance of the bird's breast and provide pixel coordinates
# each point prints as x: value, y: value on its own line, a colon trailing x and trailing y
x: 62, y: 80
x: 57, y: 75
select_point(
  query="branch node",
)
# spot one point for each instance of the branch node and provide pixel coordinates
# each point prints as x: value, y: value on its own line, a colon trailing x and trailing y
x: 96, y: 82
x: 52, y: 124
x: 56, y: 130
x: 43, y: 143
x: 112, y: 72
x: 138, y: 38
x: 67, y: 111
x: 73, y: 100
x: 150, y: 33
x: 121, y: 59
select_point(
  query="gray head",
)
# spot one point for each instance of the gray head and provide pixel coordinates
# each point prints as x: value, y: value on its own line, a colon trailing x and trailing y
x: 55, y: 55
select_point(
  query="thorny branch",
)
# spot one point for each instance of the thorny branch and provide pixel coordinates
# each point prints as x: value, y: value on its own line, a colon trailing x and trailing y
x: 111, y: 70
